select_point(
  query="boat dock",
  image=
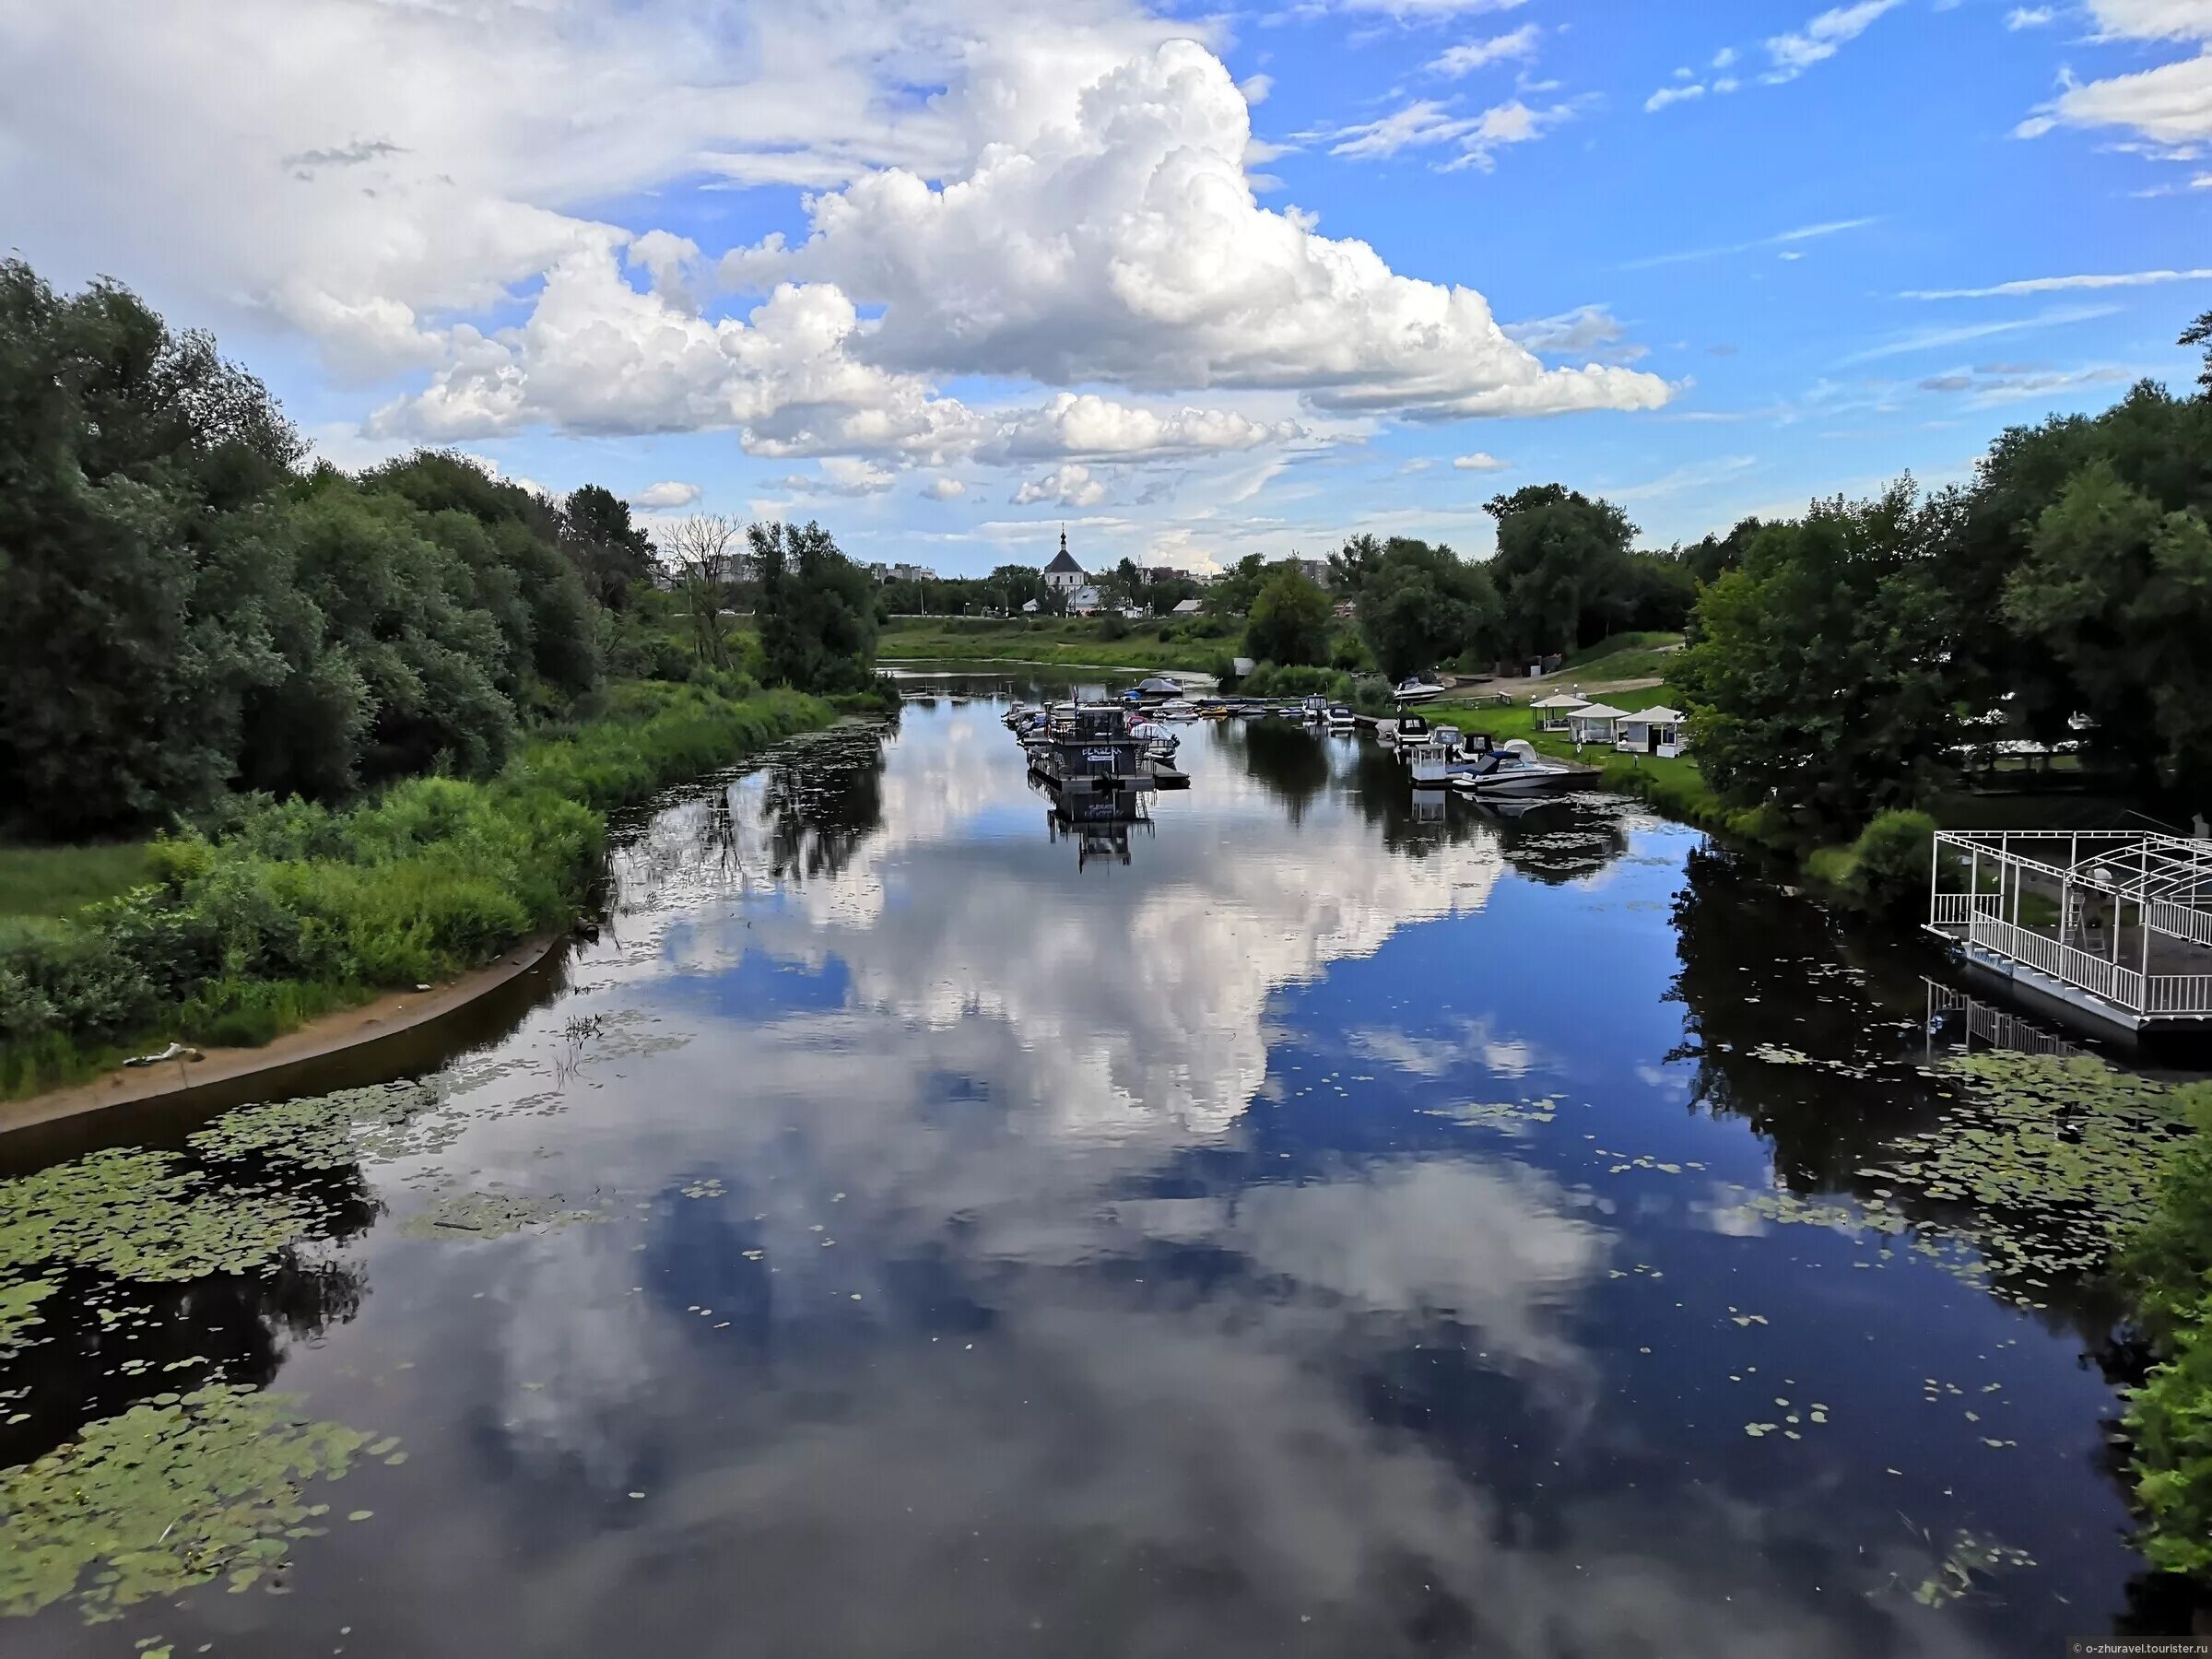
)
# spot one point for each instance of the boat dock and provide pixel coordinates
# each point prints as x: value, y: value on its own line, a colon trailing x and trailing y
x: 2112, y: 929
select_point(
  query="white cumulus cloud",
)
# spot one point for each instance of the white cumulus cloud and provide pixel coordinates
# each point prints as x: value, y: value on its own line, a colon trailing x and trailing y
x: 668, y: 496
x: 1481, y: 461
x: 1067, y: 485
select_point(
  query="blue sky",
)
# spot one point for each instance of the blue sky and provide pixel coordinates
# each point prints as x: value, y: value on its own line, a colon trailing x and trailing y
x: 1049, y: 280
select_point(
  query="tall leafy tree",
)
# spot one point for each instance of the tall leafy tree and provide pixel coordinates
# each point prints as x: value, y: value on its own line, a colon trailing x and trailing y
x: 1561, y: 558
x: 1290, y: 620
x: 613, y: 555
x: 1820, y: 680
x: 1420, y: 605
x: 133, y: 633
x: 2119, y: 590
x: 818, y: 609
x: 2199, y: 333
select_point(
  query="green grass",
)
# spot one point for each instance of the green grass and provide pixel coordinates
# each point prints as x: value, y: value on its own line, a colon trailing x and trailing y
x: 1608, y: 651
x: 49, y: 882
x: 284, y: 911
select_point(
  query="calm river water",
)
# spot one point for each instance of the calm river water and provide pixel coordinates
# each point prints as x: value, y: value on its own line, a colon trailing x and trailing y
x: 1300, y: 1225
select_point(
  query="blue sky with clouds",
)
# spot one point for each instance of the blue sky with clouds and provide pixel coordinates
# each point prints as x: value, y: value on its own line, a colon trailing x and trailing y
x: 947, y: 274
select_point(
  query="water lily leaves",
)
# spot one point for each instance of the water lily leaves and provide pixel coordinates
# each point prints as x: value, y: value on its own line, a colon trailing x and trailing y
x: 145, y: 1214
x: 209, y: 1485
x: 332, y: 1130
x: 19, y: 1311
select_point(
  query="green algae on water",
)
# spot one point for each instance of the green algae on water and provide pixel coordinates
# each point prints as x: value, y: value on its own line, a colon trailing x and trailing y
x: 490, y: 1216
x: 143, y: 1215
x: 332, y: 1131
x: 19, y: 1311
x: 176, y: 1492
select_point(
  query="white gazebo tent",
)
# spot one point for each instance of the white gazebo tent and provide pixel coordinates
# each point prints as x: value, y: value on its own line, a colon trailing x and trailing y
x: 1551, y: 711
x: 1595, y: 722
x: 1655, y: 730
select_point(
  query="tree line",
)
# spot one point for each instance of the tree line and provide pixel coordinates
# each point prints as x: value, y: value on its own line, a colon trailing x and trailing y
x: 1859, y: 658
x: 188, y: 609
x: 1566, y: 574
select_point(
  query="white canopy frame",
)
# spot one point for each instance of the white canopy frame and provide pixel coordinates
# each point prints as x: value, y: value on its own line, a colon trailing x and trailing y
x: 2107, y: 884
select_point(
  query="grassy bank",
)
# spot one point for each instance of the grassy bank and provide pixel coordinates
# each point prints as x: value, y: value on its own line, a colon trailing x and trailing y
x: 1062, y: 641
x: 282, y: 911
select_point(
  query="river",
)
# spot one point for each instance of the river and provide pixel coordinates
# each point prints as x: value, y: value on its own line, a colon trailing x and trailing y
x: 1298, y: 1224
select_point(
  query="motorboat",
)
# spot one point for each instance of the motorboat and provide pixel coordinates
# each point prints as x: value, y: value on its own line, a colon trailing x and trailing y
x: 1415, y: 689
x: 1159, y: 743
x: 1518, y: 770
x: 1158, y: 686
x: 1408, y: 728
x: 1339, y: 719
x: 1315, y: 710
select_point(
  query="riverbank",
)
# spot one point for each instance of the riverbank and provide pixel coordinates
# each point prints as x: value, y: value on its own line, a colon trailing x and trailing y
x: 285, y: 915
x: 387, y: 1015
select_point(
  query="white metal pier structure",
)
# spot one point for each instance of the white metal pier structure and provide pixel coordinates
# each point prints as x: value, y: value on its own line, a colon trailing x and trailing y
x: 2112, y: 927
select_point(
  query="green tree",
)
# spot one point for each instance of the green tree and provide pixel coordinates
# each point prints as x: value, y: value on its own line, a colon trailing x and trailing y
x: 2119, y: 591
x: 818, y: 609
x: 2157, y: 445
x: 1290, y: 620
x: 1820, y: 679
x: 1420, y: 605
x: 133, y: 629
x: 2199, y: 333
x: 1233, y: 593
x: 1562, y: 559
x: 613, y: 555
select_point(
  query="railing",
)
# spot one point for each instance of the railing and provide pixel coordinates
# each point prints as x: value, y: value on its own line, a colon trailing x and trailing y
x: 2178, y: 993
x: 1956, y: 910
x: 2179, y: 921
x: 2062, y: 962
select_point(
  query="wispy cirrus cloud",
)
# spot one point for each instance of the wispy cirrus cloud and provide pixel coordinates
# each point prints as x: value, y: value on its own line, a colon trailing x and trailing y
x: 2052, y: 284
x: 1935, y: 339
x: 1783, y: 238
x: 1822, y: 38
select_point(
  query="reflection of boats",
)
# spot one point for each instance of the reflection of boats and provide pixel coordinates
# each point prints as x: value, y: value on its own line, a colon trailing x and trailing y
x: 1098, y: 836
x: 1415, y: 689
x: 1511, y: 806
x: 1429, y: 806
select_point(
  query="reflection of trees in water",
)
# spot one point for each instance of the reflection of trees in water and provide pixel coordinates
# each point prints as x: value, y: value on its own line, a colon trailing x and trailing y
x: 822, y: 798
x: 1762, y: 968
x: 104, y: 1344
x: 1556, y: 841
x: 1286, y: 760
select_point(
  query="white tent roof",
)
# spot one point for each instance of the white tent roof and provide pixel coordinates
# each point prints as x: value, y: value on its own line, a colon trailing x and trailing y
x: 1599, y: 711
x: 1659, y: 715
x: 1559, y: 699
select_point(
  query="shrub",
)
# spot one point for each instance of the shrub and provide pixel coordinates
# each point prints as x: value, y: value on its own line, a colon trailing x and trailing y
x: 271, y: 912
x: 1890, y: 858
x: 2167, y: 1263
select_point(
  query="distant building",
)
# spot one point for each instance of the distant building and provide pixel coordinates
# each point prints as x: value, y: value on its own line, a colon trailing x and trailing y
x: 1064, y: 575
x: 1315, y: 570
x: 1082, y: 601
x: 1187, y: 608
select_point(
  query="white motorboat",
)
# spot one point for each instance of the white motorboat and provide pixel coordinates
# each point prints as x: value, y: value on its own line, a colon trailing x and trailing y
x: 1315, y: 709
x: 1417, y: 690
x: 1518, y: 770
x: 1339, y: 718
